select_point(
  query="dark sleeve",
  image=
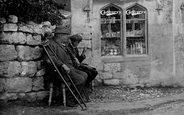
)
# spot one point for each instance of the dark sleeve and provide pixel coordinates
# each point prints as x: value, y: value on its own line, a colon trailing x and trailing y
x: 54, y: 48
x: 79, y: 57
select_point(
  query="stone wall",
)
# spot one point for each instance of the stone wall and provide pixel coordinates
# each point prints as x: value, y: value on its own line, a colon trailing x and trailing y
x: 21, y: 66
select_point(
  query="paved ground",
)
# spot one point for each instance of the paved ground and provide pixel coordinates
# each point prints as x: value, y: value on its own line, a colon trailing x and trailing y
x: 109, y: 101
x: 130, y: 107
x: 174, y: 108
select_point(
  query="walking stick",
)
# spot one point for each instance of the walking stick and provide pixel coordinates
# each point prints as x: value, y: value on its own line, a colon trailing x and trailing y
x: 44, y: 45
x: 76, y: 90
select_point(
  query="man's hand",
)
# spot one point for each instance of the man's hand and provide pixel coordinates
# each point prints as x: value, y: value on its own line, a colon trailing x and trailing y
x: 77, y: 62
x: 66, y: 68
x: 84, y: 51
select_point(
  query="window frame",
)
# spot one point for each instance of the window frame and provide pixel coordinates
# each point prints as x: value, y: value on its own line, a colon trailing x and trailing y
x: 124, y: 56
x: 121, y: 30
x: 146, y: 31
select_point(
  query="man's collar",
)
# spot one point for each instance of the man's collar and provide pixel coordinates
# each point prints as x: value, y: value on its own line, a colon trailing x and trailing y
x: 72, y: 44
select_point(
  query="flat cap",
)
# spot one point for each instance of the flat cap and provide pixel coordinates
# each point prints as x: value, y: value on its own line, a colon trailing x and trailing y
x: 76, y: 37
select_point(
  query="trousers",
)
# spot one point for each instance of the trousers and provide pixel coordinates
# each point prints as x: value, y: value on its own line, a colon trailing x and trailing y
x: 91, y: 72
x: 79, y: 78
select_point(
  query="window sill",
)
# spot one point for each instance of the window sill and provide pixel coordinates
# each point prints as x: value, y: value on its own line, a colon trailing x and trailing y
x: 111, y: 59
x: 137, y: 57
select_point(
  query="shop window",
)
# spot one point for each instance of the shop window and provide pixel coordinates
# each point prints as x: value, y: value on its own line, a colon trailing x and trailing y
x: 111, y: 34
x: 136, y: 30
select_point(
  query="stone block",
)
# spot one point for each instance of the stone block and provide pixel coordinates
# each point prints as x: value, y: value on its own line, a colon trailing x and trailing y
x: 21, y: 96
x: 25, y: 28
x: 28, y: 53
x: 2, y: 84
x: 12, y: 19
x: 40, y: 72
x: 41, y: 64
x: 118, y: 75
x: 33, y: 40
x: 29, y: 69
x: 7, y: 52
x: 13, y: 38
x: 41, y: 95
x: 38, y: 29
x: 30, y: 97
x: 9, y: 27
x: 97, y: 82
x: 106, y: 75
x: 46, y: 24
x: 2, y: 20
x: 111, y: 82
x: 112, y: 67
x: 8, y: 96
x: 19, y: 84
x: 12, y: 96
x: 38, y: 83
x: 10, y: 69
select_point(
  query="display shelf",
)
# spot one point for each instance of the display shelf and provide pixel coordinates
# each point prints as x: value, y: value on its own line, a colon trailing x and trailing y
x: 135, y: 19
x: 134, y: 36
x: 110, y: 38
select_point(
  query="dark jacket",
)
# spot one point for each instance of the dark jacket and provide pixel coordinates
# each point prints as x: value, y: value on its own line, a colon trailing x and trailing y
x: 75, y: 52
x: 61, y: 52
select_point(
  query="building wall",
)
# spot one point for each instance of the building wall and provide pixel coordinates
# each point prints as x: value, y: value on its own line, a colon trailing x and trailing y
x: 157, y: 68
x: 178, y: 30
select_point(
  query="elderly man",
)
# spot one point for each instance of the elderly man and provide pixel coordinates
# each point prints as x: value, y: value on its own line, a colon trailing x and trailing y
x: 74, y: 41
x: 65, y: 61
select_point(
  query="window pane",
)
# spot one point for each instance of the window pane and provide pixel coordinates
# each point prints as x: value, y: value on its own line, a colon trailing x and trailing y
x: 135, y: 12
x: 111, y: 31
x: 135, y: 30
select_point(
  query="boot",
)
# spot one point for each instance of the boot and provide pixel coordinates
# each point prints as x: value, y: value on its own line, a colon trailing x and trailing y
x: 70, y: 103
x: 70, y: 100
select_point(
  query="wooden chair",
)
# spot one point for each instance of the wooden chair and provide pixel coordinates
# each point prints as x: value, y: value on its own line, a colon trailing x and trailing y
x: 51, y: 85
x: 52, y: 79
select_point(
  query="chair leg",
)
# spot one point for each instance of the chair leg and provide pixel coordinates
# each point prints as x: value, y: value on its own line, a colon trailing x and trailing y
x: 92, y: 86
x: 50, y: 93
x: 64, y: 94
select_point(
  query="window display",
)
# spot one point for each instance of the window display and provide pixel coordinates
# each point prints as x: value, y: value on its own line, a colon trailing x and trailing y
x: 136, y: 37
x: 111, y: 21
x: 133, y: 33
